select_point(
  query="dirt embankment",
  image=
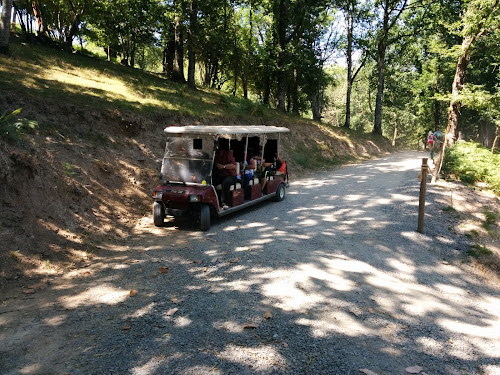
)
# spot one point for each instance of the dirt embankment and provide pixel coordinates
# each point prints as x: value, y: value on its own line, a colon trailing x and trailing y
x: 85, y: 176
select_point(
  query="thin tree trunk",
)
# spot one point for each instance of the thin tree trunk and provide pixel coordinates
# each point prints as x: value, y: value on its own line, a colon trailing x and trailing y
x: 295, y: 92
x: 282, y: 24
x: 193, y: 18
x: 178, y: 68
x: 347, y: 123
x: 377, y: 128
x: 5, y: 26
x: 496, y: 141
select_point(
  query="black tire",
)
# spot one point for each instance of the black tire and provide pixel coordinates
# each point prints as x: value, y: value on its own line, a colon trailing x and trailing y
x: 158, y: 214
x: 280, y: 193
x: 204, y: 217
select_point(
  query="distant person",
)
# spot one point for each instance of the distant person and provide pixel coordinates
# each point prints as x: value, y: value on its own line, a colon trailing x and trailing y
x: 224, y: 172
x: 438, y: 138
x: 430, y: 140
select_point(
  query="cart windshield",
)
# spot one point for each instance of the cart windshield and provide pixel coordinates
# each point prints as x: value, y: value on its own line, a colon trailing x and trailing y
x: 187, y: 160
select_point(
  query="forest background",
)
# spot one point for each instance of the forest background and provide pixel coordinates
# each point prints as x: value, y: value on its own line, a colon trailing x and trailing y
x: 398, y: 68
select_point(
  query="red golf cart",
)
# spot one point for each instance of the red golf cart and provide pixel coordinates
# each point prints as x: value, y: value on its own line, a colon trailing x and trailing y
x: 188, y: 171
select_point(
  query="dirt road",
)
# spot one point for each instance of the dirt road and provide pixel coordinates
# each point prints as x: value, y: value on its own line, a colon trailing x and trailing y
x: 332, y: 280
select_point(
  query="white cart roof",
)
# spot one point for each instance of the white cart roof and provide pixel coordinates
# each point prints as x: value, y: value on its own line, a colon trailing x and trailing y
x: 214, y: 130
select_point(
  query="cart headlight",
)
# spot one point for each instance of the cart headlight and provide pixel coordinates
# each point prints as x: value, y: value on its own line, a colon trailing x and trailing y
x: 193, y: 198
x: 158, y: 195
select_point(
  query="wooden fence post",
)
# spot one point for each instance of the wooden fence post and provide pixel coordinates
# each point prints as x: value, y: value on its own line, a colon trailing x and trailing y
x: 421, y: 202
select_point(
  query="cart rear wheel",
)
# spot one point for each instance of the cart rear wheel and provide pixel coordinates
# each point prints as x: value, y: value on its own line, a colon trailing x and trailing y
x: 158, y: 214
x: 204, y: 217
x: 280, y: 193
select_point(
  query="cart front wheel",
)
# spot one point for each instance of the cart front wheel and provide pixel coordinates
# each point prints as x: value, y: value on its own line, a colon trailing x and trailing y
x: 204, y: 217
x: 158, y: 214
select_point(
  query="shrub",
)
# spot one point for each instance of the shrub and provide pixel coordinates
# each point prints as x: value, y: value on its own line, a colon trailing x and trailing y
x: 471, y: 162
x: 11, y: 127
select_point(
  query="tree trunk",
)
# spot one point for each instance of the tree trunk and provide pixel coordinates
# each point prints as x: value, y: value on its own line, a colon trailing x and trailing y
x: 458, y: 84
x: 192, y: 44
x: 267, y: 90
x: 316, y: 106
x: 377, y: 128
x: 178, y: 68
x: 282, y: 25
x: 5, y: 26
x: 295, y: 92
x: 347, y: 123
x: 246, y: 69
x: 496, y: 141
x: 437, y: 106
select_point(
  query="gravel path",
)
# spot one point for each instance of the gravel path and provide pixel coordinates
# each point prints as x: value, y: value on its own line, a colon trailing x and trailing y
x: 332, y: 280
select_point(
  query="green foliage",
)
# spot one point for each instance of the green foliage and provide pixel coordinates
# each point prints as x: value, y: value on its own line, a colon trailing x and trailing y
x: 70, y: 170
x: 477, y: 251
x: 490, y: 222
x: 13, y: 128
x: 470, y: 162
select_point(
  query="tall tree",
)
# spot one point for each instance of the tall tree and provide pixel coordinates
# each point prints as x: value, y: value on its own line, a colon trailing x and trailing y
x: 391, y: 12
x: 193, y: 26
x: 354, y: 16
x: 479, y: 17
x: 5, y: 26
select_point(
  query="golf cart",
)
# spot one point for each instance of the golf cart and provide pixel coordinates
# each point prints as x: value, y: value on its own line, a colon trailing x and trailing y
x: 188, y: 168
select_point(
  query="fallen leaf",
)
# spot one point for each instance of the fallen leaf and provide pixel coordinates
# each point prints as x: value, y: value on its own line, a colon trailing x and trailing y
x: 414, y: 369
x: 163, y: 269
x: 172, y: 311
x: 125, y: 328
x: 355, y: 311
x: 153, y: 275
x: 371, y: 311
x: 267, y: 315
x: 133, y: 292
x: 234, y: 260
x: 29, y: 291
x: 367, y: 372
x: 176, y: 300
x: 204, y: 269
x: 250, y: 326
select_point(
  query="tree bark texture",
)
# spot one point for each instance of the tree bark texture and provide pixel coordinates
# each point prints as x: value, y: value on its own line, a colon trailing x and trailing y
x: 281, y: 77
x: 178, y: 68
x: 5, y: 26
x: 193, y: 20
x: 382, y: 46
x: 349, y: 22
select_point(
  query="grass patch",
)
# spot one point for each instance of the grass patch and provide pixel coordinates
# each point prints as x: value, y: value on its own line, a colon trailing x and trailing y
x: 315, y: 157
x: 471, y: 162
x: 478, y: 251
x: 70, y: 170
x: 472, y: 234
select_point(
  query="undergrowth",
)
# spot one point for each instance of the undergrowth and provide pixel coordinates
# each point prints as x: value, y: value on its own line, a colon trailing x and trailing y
x: 470, y: 162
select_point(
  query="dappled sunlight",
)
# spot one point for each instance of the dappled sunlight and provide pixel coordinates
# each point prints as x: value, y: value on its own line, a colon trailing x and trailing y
x: 97, y: 295
x: 265, y: 357
x: 151, y: 366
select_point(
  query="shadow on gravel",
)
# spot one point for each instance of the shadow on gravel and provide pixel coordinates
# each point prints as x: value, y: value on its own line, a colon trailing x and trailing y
x: 333, y: 280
